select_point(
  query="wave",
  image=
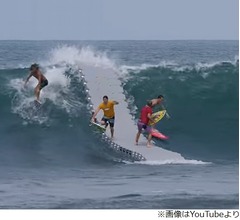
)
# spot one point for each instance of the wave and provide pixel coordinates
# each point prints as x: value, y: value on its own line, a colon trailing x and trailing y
x: 202, y: 101
x: 59, y: 131
x: 60, y: 134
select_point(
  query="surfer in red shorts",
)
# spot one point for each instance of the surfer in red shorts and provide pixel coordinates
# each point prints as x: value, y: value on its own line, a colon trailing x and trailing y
x: 142, y: 124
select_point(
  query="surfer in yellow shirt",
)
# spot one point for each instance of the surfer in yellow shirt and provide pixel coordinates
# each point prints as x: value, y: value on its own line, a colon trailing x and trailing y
x: 109, y: 115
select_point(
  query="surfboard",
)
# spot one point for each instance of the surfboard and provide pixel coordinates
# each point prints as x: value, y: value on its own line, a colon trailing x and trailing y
x: 36, y: 105
x: 157, y: 134
x: 157, y: 116
x: 99, y: 126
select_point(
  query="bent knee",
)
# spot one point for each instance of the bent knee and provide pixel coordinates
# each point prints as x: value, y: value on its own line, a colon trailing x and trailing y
x: 37, y: 89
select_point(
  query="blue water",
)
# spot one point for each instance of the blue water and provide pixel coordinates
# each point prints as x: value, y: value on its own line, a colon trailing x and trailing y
x: 53, y: 159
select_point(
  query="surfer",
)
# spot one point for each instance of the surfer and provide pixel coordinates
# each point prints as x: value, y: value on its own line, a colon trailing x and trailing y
x: 145, y: 116
x: 109, y: 115
x: 158, y: 101
x: 42, y: 81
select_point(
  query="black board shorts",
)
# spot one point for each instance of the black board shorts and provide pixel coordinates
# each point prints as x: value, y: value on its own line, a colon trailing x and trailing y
x: 43, y: 83
x: 109, y: 120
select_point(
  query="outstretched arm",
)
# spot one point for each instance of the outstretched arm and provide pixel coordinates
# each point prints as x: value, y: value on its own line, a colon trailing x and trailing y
x: 95, y: 114
x: 168, y: 116
x: 29, y: 76
x: 115, y: 102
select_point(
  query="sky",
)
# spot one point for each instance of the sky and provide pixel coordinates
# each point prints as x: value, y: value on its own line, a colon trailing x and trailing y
x: 119, y: 19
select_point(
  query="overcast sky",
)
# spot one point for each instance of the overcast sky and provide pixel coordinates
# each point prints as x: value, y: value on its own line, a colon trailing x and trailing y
x: 118, y: 19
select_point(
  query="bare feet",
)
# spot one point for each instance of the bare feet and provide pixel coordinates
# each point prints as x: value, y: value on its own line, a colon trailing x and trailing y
x: 149, y: 144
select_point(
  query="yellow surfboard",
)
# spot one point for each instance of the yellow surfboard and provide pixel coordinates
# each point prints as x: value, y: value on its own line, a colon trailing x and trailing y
x: 157, y: 116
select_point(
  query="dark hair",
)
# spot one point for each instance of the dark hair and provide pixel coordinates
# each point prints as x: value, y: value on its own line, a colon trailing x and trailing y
x: 105, y: 97
x: 35, y: 65
x: 149, y: 103
x: 160, y: 96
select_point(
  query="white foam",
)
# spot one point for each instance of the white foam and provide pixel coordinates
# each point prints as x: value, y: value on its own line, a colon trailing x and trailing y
x: 124, y: 69
x: 164, y: 162
x: 72, y: 55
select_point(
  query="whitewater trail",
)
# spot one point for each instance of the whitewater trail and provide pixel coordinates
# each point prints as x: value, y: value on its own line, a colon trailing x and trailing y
x: 104, y: 81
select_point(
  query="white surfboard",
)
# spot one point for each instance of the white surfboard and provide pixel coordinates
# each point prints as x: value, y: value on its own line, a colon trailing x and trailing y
x: 99, y: 126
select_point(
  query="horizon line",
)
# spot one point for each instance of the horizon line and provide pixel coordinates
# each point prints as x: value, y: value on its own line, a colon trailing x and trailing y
x: 119, y: 39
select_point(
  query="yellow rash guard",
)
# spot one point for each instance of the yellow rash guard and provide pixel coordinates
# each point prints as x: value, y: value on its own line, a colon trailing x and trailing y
x: 107, y: 109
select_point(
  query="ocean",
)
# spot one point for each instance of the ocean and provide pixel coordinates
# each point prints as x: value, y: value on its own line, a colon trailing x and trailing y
x: 53, y: 159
